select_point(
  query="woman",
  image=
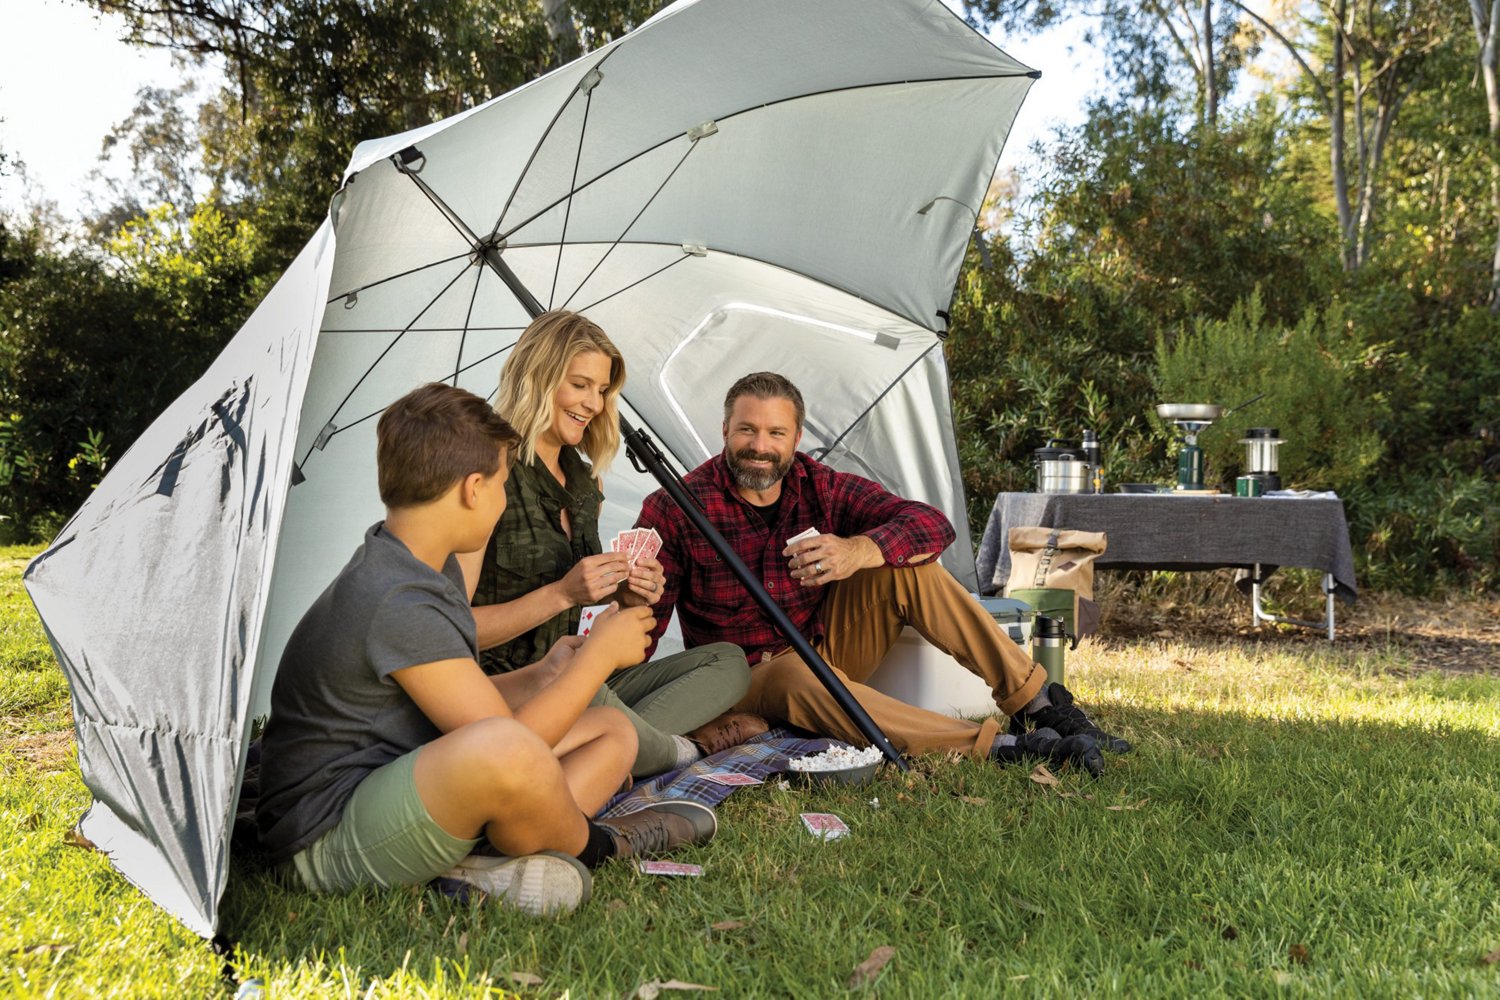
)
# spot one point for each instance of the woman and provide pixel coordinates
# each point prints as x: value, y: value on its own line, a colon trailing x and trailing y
x: 544, y: 561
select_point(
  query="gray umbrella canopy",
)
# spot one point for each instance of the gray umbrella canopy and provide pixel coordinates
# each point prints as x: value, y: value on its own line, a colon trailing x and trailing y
x: 732, y: 187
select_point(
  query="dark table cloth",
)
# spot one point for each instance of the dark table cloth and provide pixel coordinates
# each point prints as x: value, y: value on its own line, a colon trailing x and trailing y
x: 1163, y: 531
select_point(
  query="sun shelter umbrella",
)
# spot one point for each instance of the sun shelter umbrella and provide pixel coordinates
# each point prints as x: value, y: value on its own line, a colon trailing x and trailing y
x: 732, y: 187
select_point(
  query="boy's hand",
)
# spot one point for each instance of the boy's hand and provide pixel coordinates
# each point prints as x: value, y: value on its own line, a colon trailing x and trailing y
x: 560, y: 655
x: 621, y: 635
x: 595, y: 578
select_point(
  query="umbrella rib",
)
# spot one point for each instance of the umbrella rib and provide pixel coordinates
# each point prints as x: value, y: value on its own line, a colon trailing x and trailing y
x: 631, y: 224
x: 463, y: 335
x: 876, y: 401
x: 377, y: 361
x: 621, y: 291
x: 472, y: 364
x: 521, y: 177
x: 735, y: 114
x: 573, y: 183
x: 403, y: 274
x: 420, y: 329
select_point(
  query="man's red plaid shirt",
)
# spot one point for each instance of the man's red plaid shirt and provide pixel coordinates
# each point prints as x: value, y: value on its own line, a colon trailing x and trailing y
x: 713, y: 606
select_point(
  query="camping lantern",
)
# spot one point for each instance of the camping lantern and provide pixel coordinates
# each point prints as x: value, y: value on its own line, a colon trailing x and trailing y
x: 1261, y: 460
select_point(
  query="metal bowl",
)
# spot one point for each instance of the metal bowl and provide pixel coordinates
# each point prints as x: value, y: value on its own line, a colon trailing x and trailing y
x: 1189, y: 411
x: 861, y: 775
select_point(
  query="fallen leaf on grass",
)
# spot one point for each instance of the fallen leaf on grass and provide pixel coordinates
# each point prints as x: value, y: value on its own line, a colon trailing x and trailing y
x: 46, y: 949
x: 1298, y: 953
x: 616, y: 905
x: 1492, y: 958
x: 727, y: 925
x: 652, y: 990
x: 463, y: 942
x: 526, y: 979
x: 974, y: 800
x: 867, y: 971
x: 1022, y: 904
x: 1230, y: 932
x: 1042, y: 776
x: 1283, y: 978
x: 1129, y: 808
x: 75, y: 839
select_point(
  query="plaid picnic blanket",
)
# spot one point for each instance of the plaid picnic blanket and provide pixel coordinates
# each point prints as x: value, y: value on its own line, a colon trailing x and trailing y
x: 760, y: 757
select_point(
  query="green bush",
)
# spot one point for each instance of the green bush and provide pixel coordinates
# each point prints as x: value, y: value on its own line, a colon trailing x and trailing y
x: 1426, y: 530
x: 1306, y: 373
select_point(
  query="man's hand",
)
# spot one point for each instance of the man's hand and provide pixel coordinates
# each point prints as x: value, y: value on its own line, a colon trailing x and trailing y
x: 825, y: 558
x: 644, y: 585
x: 621, y: 635
x: 595, y: 578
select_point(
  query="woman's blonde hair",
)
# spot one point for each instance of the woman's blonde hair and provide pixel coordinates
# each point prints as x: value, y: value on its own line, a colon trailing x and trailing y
x: 536, y: 367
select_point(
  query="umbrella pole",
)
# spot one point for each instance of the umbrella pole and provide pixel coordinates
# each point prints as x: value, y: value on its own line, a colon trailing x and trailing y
x: 645, y: 453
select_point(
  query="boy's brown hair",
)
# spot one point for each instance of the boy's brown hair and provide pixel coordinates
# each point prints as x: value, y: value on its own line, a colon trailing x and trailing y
x: 434, y: 436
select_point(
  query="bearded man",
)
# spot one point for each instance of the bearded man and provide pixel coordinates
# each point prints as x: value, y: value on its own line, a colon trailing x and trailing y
x: 851, y: 564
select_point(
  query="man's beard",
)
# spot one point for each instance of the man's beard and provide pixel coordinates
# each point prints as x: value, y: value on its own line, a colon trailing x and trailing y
x: 757, y: 480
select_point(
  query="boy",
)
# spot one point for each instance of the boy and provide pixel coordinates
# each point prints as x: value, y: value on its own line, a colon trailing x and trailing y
x: 389, y: 754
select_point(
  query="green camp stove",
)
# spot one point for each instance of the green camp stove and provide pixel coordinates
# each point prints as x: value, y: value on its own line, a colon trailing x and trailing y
x: 1191, y: 420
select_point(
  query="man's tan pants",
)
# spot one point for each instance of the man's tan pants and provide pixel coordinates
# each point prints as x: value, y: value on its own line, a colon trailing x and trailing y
x: 862, y: 617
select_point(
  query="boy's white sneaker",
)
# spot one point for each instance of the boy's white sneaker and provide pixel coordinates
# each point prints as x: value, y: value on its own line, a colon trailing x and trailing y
x: 548, y: 884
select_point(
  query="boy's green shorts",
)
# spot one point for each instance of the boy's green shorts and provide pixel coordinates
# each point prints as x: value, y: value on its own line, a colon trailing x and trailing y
x: 385, y: 837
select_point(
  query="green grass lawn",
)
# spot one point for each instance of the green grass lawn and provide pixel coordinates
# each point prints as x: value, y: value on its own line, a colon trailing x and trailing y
x: 1296, y: 820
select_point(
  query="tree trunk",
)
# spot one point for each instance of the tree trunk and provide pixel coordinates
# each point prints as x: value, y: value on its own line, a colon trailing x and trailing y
x: 1485, y: 22
x: 1336, y: 140
x: 559, y: 15
x: 1210, y: 85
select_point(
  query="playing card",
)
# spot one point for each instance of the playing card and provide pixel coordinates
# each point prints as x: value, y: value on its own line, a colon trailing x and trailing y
x: 614, y: 543
x: 824, y: 826
x: 812, y: 532
x: 587, y: 616
x: 731, y: 778
x: 669, y: 868
x: 630, y: 543
x: 650, y: 544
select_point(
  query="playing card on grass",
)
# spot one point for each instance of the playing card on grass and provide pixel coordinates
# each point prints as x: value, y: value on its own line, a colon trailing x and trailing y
x: 669, y: 868
x: 812, y: 532
x: 731, y: 778
x: 824, y: 826
x: 586, y: 617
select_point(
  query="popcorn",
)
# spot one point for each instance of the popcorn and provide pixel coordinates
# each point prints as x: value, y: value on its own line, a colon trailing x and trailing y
x: 838, y: 757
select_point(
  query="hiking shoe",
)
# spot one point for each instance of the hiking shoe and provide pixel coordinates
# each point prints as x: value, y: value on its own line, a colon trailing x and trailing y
x: 1044, y: 743
x: 728, y: 730
x: 548, y: 884
x: 660, y: 828
x: 1066, y: 719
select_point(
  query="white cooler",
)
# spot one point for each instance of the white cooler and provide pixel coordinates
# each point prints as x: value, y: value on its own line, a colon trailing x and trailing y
x: 918, y: 673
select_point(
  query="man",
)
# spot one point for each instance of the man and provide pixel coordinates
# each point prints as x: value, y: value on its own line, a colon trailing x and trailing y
x: 389, y: 754
x: 869, y: 570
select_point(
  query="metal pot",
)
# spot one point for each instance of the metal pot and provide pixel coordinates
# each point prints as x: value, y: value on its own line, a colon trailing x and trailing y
x: 1060, y: 468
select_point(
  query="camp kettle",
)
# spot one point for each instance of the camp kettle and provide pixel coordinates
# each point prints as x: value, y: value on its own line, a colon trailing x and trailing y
x: 1049, y: 645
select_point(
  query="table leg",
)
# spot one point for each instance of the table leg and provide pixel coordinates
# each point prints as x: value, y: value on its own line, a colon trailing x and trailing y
x: 1258, y: 614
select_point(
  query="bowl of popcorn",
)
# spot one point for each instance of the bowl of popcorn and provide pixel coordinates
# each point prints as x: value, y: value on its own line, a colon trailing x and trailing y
x: 840, y: 764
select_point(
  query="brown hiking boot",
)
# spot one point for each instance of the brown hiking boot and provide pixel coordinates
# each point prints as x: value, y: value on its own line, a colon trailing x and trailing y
x: 728, y: 730
x: 660, y: 828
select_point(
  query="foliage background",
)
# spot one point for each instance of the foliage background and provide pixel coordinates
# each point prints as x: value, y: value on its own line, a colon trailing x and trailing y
x: 1326, y: 232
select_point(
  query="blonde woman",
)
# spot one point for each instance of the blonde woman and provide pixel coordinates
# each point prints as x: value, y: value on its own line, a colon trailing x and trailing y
x: 544, y: 562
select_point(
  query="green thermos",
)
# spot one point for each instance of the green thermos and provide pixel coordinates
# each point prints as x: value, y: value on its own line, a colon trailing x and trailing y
x: 1049, y: 645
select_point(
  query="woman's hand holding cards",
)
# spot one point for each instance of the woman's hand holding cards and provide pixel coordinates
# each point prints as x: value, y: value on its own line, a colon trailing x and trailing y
x: 595, y: 578
x: 645, y: 584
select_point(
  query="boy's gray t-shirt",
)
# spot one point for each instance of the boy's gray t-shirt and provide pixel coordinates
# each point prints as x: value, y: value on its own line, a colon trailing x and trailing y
x: 336, y: 714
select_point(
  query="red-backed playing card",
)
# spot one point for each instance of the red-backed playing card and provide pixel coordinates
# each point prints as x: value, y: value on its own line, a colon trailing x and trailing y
x: 669, y: 868
x: 732, y: 778
x: 824, y: 826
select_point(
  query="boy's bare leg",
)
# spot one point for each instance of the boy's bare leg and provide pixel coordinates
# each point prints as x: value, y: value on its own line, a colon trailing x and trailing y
x: 498, y: 777
x: 596, y: 755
